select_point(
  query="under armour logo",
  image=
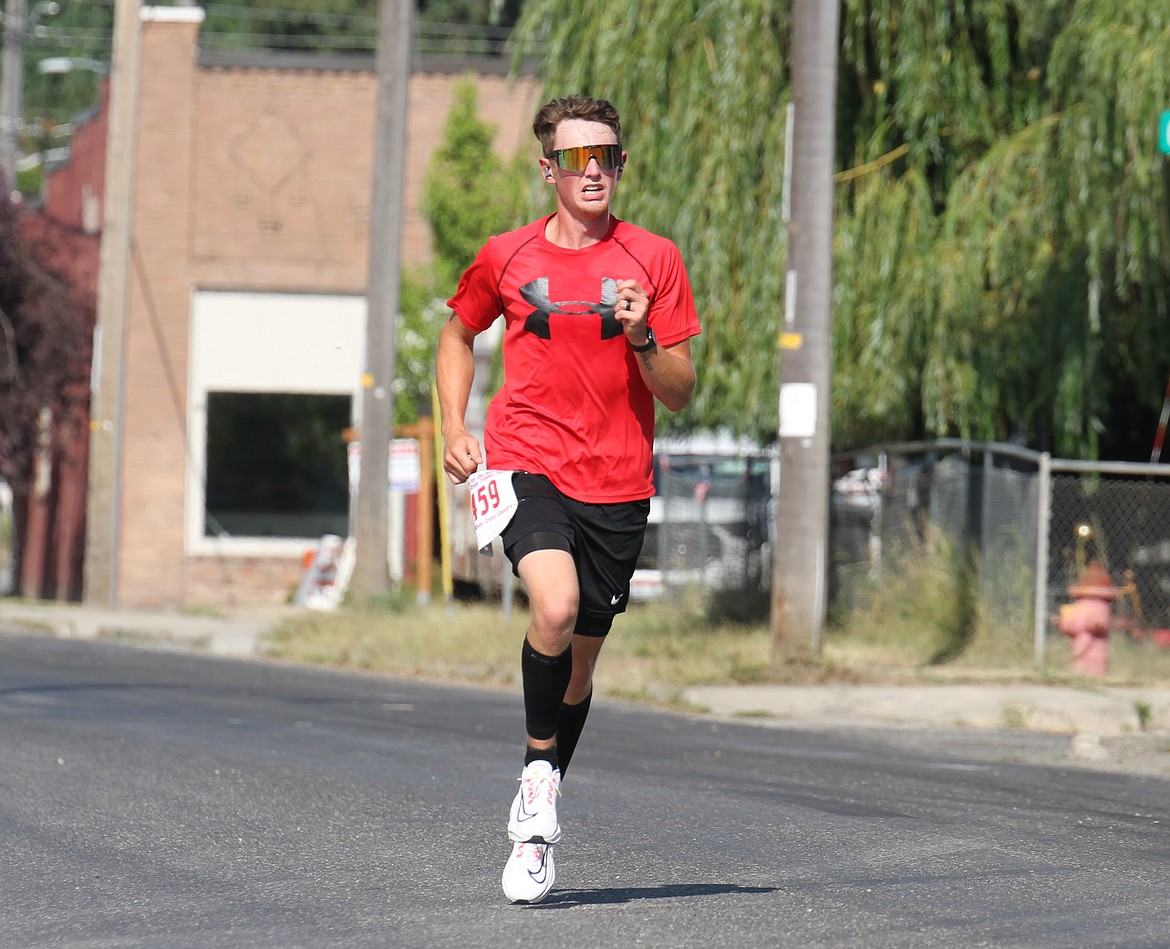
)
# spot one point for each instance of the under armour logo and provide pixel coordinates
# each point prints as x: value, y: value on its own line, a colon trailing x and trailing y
x: 537, y: 322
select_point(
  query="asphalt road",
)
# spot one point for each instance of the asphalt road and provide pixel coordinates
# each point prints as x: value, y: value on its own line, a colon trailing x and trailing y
x: 164, y: 799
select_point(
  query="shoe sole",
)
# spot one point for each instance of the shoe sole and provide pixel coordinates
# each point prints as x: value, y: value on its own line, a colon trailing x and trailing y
x: 536, y: 839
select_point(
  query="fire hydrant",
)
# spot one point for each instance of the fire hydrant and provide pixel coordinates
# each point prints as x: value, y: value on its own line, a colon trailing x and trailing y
x: 1086, y: 620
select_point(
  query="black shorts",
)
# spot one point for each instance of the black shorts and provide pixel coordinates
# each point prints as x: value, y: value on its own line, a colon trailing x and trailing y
x: 603, y: 539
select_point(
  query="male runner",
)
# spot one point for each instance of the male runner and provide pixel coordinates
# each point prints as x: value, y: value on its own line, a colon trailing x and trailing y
x: 598, y: 319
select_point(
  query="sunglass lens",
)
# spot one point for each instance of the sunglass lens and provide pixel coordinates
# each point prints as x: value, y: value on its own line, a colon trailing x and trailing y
x: 576, y: 159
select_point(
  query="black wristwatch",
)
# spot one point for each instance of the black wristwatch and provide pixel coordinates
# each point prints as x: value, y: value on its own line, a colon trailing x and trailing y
x: 650, y: 343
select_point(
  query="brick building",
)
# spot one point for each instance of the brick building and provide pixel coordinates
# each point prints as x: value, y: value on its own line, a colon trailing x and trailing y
x: 63, y: 234
x: 245, y: 313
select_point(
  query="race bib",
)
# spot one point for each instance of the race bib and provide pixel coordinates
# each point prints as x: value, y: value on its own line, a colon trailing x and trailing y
x: 493, y: 502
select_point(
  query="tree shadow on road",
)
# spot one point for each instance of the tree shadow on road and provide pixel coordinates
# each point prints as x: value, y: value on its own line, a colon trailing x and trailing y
x: 607, y: 895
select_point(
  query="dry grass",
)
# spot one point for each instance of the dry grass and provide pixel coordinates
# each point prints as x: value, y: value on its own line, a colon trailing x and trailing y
x: 925, y: 616
x: 652, y: 653
x: 467, y: 642
x: 655, y: 652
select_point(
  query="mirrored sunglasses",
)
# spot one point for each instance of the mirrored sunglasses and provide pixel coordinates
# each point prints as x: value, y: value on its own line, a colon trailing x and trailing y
x: 576, y: 159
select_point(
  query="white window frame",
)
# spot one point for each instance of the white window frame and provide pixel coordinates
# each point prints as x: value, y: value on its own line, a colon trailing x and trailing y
x: 302, y: 343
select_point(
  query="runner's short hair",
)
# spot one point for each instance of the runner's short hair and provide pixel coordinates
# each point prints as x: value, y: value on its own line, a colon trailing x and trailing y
x: 587, y: 108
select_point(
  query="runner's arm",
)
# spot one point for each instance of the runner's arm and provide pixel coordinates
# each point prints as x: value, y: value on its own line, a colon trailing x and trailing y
x: 669, y: 373
x: 454, y: 371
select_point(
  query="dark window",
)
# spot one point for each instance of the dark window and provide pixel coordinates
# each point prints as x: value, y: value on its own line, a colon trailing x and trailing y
x: 276, y: 465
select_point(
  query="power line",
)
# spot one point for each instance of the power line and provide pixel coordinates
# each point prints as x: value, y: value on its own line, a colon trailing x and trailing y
x: 436, y: 42
x: 339, y: 31
x: 369, y: 23
x: 212, y: 39
x: 78, y: 36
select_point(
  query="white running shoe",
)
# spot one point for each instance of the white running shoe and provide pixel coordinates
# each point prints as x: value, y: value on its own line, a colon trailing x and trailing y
x: 529, y: 872
x: 533, y: 816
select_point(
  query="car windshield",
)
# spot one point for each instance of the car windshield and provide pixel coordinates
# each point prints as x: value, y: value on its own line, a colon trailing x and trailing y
x: 718, y: 476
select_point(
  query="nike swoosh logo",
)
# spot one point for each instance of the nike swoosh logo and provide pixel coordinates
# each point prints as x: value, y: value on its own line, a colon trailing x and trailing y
x: 613, y: 601
x: 522, y: 814
x: 539, y: 876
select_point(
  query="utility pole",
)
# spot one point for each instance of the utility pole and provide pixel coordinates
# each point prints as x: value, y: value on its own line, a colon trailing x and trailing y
x: 12, y: 89
x: 16, y: 25
x: 106, y: 408
x: 799, y: 553
x: 371, y: 574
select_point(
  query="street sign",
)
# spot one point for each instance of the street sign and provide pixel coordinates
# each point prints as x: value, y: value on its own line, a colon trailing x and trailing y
x: 1164, y: 133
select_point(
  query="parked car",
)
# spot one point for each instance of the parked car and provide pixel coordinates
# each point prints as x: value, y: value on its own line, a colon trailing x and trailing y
x: 710, y: 519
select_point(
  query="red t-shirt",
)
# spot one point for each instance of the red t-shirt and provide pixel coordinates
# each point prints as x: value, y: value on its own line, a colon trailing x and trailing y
x: 573, y: 405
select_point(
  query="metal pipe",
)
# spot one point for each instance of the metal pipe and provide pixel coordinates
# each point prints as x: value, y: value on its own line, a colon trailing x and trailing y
x: 1043, y: 519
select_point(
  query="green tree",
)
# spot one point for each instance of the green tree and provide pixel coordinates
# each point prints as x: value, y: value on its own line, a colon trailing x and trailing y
x: 317, y: 25
x: 702, y: 89
x: 44, y: 350
x: 1002, y: 238
x: 79, y: 31
x: 470, y: 192
x: 442, y: 26
x: 1037, y: 305
x: 420, y: 314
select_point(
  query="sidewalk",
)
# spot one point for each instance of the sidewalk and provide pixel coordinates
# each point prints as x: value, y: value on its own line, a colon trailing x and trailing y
x: 1108, y: 728
x: 1096, y: 710
x: 238, y: 636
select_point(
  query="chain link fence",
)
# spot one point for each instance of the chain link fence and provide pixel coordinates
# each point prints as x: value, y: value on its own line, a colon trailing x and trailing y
x: 1024, y: 524
x: 1015, y: 527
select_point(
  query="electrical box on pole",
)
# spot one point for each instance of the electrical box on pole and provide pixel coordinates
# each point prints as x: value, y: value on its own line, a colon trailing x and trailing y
x: 799, y: 550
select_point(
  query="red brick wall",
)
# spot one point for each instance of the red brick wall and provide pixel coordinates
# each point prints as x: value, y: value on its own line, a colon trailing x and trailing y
x: 63, y: 233
x: 241, y: 581
x: 247, y: 179
x: 152, y: 565
x: 81, y: 178
x: 282, y: 171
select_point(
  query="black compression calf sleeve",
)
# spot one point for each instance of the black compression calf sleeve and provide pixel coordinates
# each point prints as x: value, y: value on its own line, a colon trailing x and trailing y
x: 545, y: 680
x: 570, y: 724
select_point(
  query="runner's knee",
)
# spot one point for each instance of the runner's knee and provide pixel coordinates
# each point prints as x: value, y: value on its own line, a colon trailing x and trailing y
x: 554, y: 616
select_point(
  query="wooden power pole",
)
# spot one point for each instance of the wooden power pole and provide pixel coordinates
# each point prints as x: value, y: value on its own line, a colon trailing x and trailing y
x: 799, y: 553
x: 11, y: 89
x: 106, y: 415
x: 371, y: 574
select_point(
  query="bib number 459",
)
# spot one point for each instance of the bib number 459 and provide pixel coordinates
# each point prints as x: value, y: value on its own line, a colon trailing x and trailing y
x: 485, y: 499
x: 493, y: 503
